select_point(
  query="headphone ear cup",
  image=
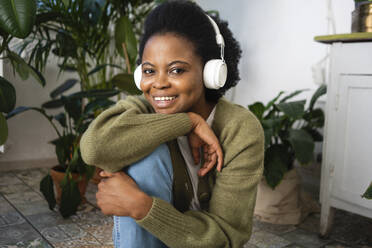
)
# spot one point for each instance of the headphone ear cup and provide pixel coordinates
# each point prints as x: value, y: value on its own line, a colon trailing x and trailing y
x: 138, y: 76
x: 215, y: 74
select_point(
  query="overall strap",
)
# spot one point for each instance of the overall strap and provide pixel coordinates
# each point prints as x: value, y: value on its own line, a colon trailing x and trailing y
x: 182, y: 187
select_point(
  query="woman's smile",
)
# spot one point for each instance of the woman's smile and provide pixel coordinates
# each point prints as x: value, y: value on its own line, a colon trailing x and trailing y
x: 164, y: 101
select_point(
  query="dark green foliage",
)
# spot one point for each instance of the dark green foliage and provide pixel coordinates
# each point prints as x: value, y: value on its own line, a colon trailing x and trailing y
x: 68, y: 84
x: 47, y: 189
x: 368, y: 193
x: 70, y: 198
x: 3, y: 129
x: 125, y: 82
x: 7, y: 96
x: 290, y: 132
x: 78, y: 32
x: 17, y: 17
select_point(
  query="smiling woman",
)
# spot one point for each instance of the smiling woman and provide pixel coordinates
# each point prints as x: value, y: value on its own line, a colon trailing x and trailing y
x: 172, y: 79
x: 163, y: 152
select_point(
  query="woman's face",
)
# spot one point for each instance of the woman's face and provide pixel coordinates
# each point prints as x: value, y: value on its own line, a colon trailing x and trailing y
x: 172, y: 75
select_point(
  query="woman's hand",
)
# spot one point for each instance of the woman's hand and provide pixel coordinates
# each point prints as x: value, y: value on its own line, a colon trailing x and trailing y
x: 202, y: 136
x: 119, y: 195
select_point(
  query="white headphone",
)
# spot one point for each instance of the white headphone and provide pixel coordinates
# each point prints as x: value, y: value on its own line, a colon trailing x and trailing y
x: 214, y: 72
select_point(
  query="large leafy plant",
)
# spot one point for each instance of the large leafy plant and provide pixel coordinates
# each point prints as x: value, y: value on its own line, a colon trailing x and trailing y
x: 291, y: 131
x: 97, y: 39
x: 94, y: 38
x: 16, y: 21
x: 73, y: 120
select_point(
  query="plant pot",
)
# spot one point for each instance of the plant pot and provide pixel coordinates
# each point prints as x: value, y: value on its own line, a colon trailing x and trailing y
x: 286, y: 204
x: 362, y: 18
x: 57, y: 173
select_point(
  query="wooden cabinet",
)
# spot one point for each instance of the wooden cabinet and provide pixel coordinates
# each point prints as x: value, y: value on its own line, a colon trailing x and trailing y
x: 347, y: 163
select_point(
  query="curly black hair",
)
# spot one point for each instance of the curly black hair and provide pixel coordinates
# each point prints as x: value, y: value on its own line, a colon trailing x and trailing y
x: 188, y: 20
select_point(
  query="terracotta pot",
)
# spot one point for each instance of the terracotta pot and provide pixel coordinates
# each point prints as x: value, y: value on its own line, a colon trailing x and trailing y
x: 57, y: 173
x: 286, y: 204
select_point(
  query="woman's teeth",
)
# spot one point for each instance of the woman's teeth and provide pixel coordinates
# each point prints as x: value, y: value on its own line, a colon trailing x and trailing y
x: 164, y: 98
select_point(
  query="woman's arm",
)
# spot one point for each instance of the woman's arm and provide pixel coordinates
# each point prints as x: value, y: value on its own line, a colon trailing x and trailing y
x: 228, y: 221
x: 127, y: 132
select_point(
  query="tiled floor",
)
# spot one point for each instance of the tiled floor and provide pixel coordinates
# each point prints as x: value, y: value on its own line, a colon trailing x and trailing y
x: 26, y: 221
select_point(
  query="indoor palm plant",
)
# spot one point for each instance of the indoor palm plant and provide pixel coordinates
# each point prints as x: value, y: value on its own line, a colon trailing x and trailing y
x: 291, y: 129
x: 69, y: 125
x: 97, y: 39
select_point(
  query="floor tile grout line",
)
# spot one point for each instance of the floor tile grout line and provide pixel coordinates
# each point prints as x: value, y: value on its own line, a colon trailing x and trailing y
x: 26, y: 219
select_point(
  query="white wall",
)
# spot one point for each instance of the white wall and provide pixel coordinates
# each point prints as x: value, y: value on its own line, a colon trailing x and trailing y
x: 277, y: 42
x: 30, y: 132
x: 278, y: 51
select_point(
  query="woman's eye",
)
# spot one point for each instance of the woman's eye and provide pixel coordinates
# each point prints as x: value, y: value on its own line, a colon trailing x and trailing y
x: 177, y: 71
x: 148, y: 71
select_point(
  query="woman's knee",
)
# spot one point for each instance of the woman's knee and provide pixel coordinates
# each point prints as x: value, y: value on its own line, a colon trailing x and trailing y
x: 154, y: 173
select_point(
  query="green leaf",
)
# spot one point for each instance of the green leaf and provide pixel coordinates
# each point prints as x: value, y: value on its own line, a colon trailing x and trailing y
x: 52, y: 104
x: 124, y: 35
x: 315, y: 134
x: 318, y: 93
x: 68, y: 84
x: 294, y: 110
x: 268, y: 132
x: 271, y: 103
x: 257, y: 109
x: 125, y: 82
x: 315, y: 117
x: 61, y: 118
x: 70, y: 198
x: 368, y: 193
x: 303, y: 145
x: 277, y: 161
x: 24, y: 69
x: 47, y: 189
x: 100, y: 67
x: 101, y: 93
x: 3, y: 129
x: 7, y: 96
x: 73, y: 107
x: 22, y: 109
x: 17, y: 17
x: 63, y: 148
x: 98, y: 104
x: 297, y: 92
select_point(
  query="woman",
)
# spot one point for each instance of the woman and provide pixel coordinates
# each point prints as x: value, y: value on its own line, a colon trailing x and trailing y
x: 164, y: 197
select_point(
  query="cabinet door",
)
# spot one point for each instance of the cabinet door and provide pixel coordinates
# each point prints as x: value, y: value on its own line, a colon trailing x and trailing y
x: 353, y: 149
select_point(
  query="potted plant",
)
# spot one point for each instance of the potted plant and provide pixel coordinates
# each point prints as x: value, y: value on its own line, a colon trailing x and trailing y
x: 291, y: 130
x: 71, y: 175
x: 97, y: 39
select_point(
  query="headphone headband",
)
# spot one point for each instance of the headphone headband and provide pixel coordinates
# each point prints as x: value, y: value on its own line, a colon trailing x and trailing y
x: 219, y: 38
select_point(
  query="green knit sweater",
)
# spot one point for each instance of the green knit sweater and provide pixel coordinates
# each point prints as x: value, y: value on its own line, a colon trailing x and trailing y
x: 131, y: 130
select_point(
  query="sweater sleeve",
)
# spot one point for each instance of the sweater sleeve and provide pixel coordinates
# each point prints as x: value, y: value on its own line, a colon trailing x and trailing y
x: 127, y: 132
x: 228, y: 222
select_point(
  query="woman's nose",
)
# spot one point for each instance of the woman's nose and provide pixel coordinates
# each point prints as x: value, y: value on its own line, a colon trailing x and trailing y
x: 161, y: 81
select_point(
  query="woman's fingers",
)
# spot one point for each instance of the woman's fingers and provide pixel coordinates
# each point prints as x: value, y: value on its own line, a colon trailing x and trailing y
x: 195, y: 154
x: 106, y: 174
x: 208, y: 165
